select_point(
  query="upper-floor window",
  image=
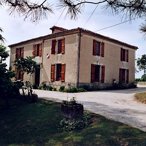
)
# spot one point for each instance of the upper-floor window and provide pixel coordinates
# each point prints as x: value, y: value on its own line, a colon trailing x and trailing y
x: 58, y: 46
x: 124, y: 55
x: 37, y: 50
x: 19, y: 52
x: 98, y: 48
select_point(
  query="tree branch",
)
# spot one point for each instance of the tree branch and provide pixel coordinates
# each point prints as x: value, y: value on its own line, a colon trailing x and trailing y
x: 130, y: 7
x: 28, y: 9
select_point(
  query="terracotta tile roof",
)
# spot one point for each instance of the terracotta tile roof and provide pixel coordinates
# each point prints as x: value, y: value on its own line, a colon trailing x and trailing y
x: 73, y: 31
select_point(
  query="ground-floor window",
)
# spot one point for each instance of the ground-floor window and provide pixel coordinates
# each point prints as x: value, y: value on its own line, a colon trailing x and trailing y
x: 97, y: 73
x: 58, y: 72
x: 123, y: 75
x: 19, y: 75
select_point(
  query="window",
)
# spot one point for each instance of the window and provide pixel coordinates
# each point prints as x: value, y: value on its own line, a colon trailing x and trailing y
x: 58, y: 72
x: 98, y: 48
x: 37, y: 50
x: 19, y: 53
x: 97, y: 73
x: 60, y: 47
x: 123, y: 75
x: 124, y: 55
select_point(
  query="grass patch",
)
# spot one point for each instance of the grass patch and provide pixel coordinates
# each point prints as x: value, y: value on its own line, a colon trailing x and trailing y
x: 37, y: 124
x: 141, y: 97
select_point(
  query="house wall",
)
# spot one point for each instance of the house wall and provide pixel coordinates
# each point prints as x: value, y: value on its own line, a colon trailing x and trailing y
x: 69, y: 58
x: 28, y: 49
x: 111, y: 60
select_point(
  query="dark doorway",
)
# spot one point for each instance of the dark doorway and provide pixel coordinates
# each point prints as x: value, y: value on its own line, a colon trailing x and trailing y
x: 37, y: 76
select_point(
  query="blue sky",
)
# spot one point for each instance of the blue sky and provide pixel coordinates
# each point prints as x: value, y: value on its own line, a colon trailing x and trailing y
x: 16, y: 29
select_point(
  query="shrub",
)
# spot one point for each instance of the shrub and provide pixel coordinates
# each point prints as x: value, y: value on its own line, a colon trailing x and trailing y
x: 75, y: 124
x: 71, y: 90
x: 62, y: 88
x: 53, y: 89
x: 45, y: 86
x: 50, y: 88
x: 81, y: 90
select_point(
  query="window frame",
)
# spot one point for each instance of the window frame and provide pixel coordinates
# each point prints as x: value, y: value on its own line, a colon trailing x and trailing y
x: 58, y: 72
x: 124, y: 55
x: 97, y: 73
x: 123, y: 75
x: 37, y: 50
x: 19, y: 52
x: 98, y: 48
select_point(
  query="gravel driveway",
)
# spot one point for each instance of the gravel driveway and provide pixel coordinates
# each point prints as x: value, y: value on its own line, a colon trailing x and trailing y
x: 118, y: 105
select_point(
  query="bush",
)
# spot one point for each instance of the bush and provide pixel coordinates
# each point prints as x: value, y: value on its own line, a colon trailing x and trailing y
x: 44, y: 86
x: 81, y: 90
x: 75, y: 124
x: 71, y: 90
x: 62, y: 88
x: 50, y: 88
x: 53, y: 89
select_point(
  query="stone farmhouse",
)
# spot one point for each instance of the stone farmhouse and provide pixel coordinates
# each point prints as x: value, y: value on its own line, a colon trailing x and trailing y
x: 76, y: 57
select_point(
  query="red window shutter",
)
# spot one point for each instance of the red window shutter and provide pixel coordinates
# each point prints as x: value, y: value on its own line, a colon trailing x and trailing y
x: 102, y: 49
x: 127, y: 76
x: 92, y: 73
x: 127, y: 55
x: 22, y: 52
x: 21, y: 75
x: 63, y: 72
x: 120, y: 75
x: 17, y: 53
x: 94, y: 47
x: 53, y: 46
x: 34, y: 50
x: 40, y: 50
x: 102, y: 74
x: 63, y: 46
x: 52, y: 72
x: 121, y: 54
x: 17, y: 74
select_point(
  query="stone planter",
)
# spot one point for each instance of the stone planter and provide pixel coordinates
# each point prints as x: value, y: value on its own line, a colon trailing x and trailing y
x: 71, y: 109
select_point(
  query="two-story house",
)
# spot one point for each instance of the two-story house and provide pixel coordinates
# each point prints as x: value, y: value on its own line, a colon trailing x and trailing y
x: 77, y: 57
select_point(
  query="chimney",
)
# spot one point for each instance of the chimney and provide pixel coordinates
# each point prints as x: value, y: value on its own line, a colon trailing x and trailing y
x: 56, y: 29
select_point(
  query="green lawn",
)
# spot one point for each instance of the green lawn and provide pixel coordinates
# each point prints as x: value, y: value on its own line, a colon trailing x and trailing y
x: 37, y: 124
